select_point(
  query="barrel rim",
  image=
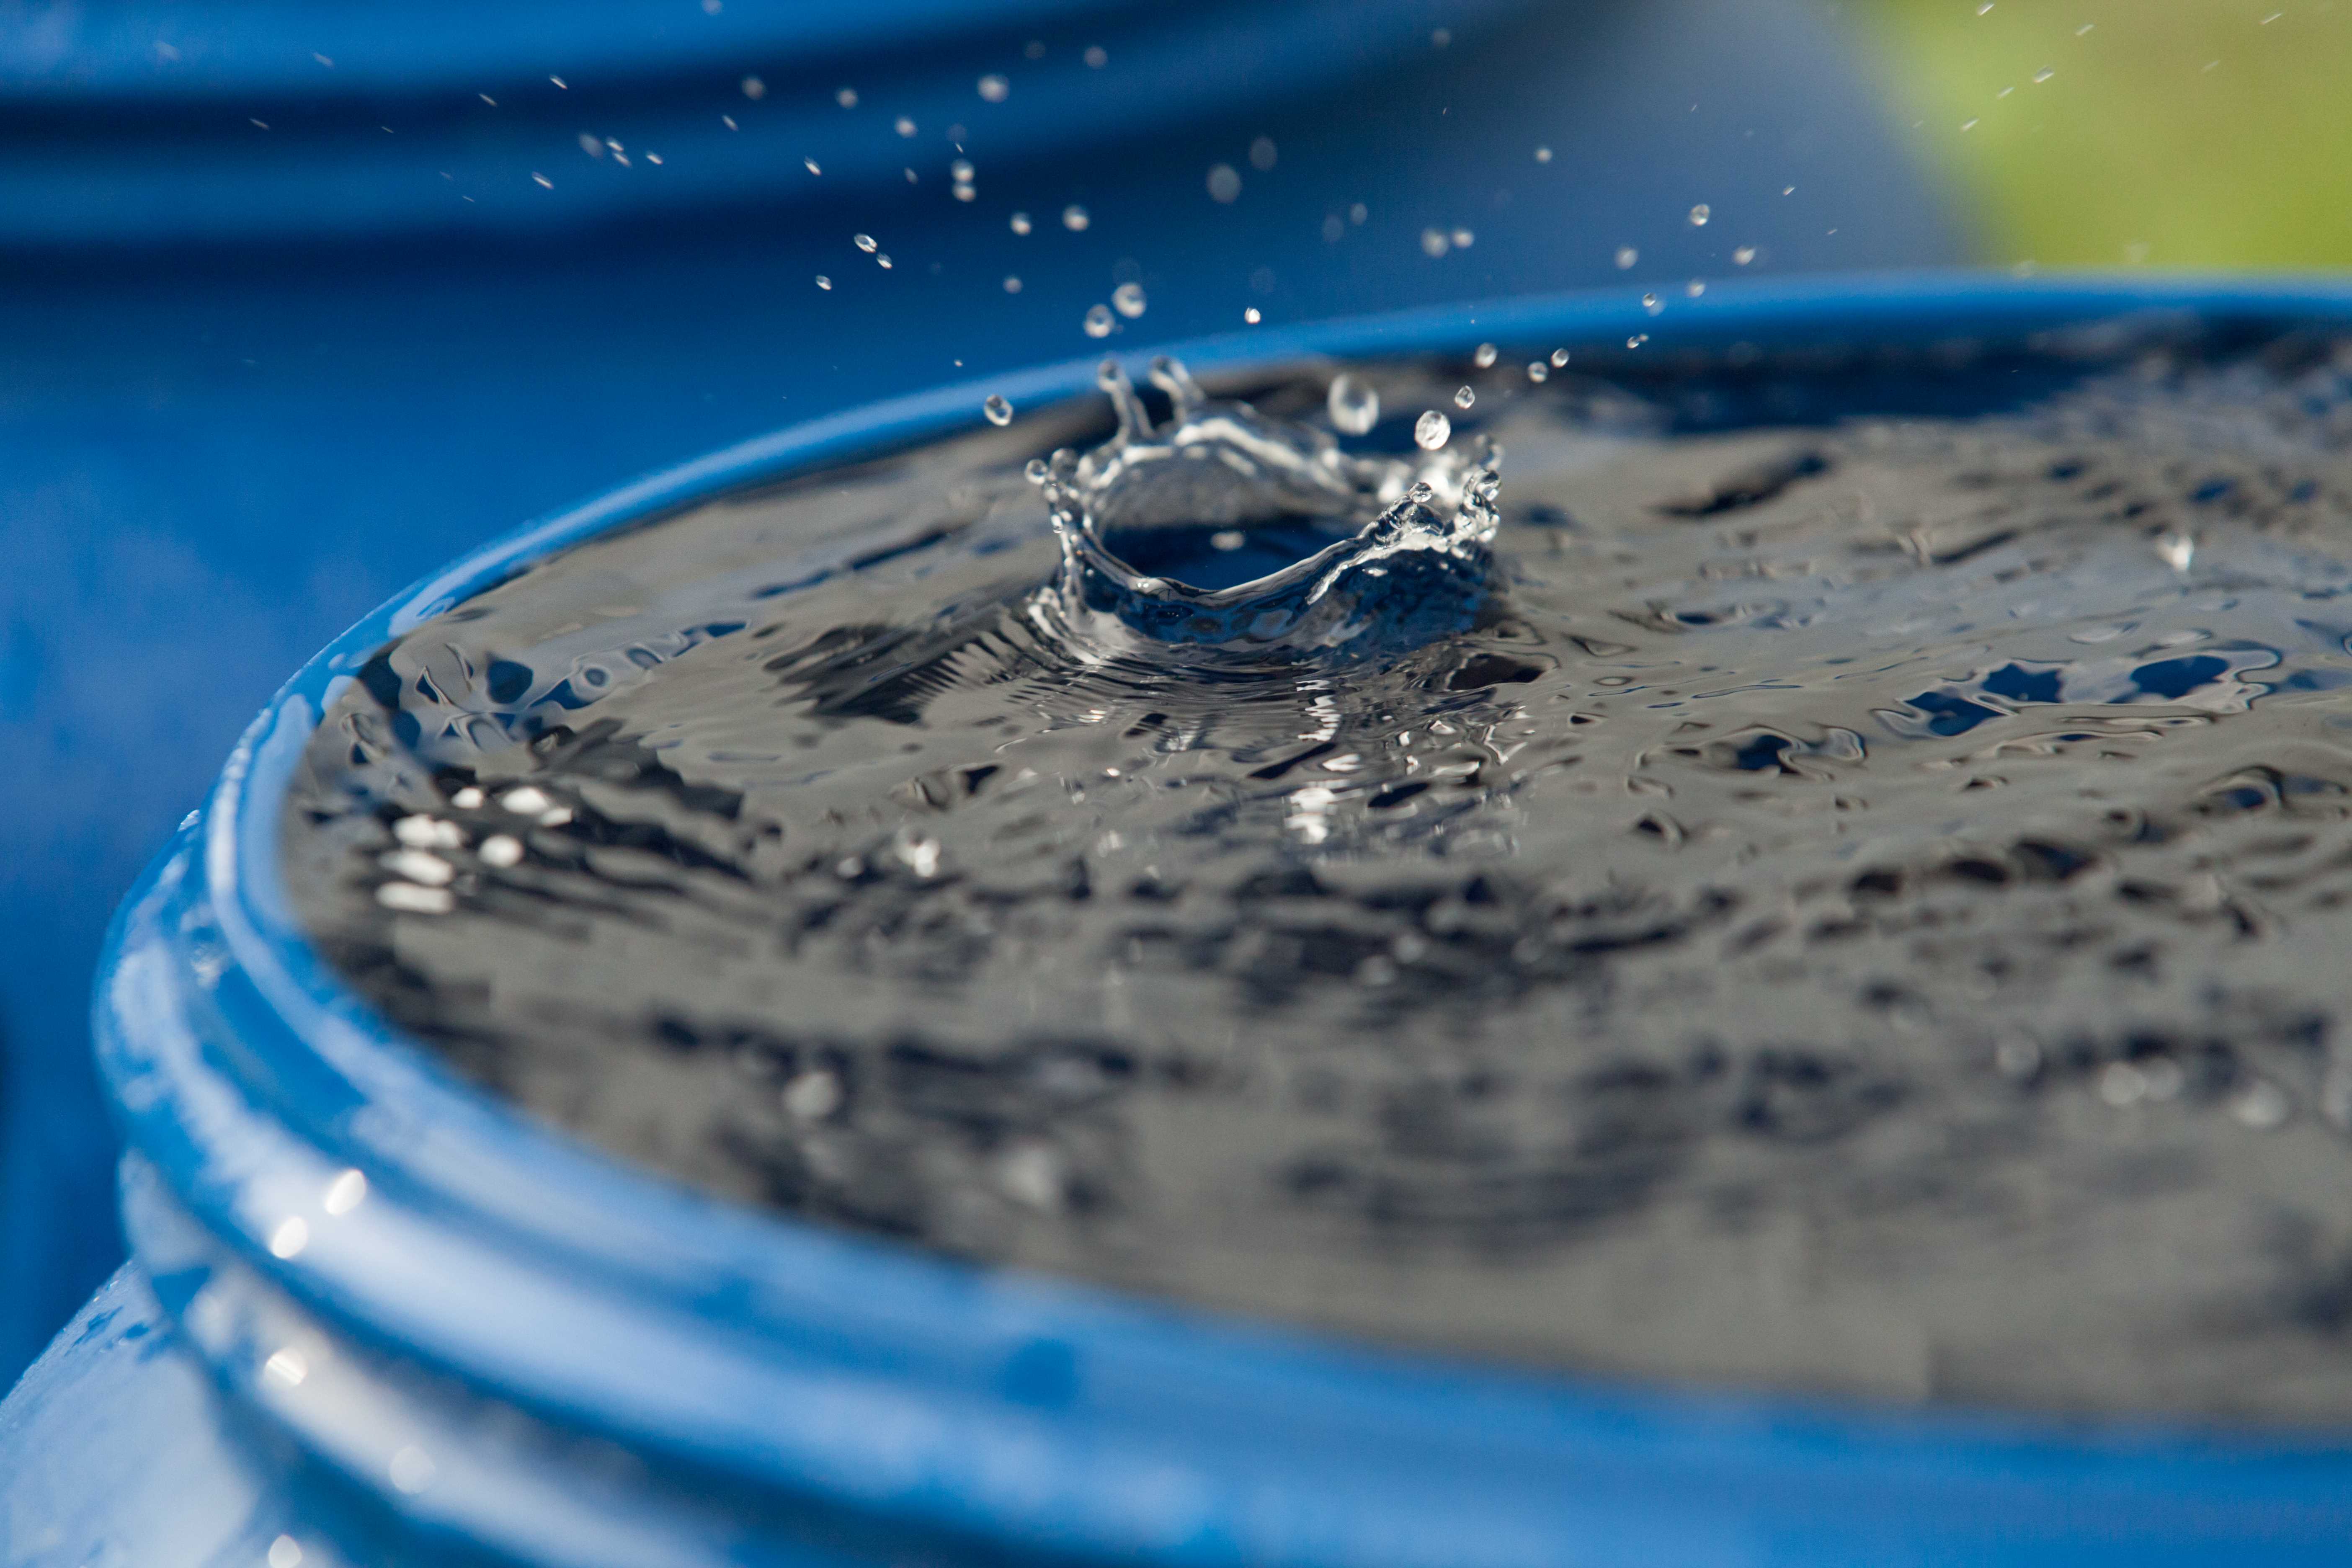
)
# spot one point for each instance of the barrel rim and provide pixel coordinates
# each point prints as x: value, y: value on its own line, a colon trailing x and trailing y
x: 1203, y: 1438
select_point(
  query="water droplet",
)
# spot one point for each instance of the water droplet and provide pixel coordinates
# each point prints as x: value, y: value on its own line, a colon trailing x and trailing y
x: 1262, y: 153
x: 1434, y: 242
x: 813, y: 1095
x: 1463, y: 397
x: 822, y: 281
x: 883, y: 262
x: 1358, y: 212
x: 1032, y: 1175
x: 1967, y: 125
x: 809, y: 164
x: 961, y: 171
x: 591, y: 145
x: 412, y: 1469
x: 863, y: 242
x: 1699, y: 214
x: 2045, y: 74
x: 965, y: 192
x: 1021, y: 222
x: 1128, y: 299
x: 1538, y: 371
x: 1464, y: 239
x: 1354, y: 406
x: 1098, y: 322
x: 1743, y: 256
x: 345, y: 1193
x: 1224, y: 182
x: 2262, y: 1105
x: 1543, y: 155
x: 1559, y: 359
x: 1485, y: 356
x: 999, y: 411
x: 1626, y: 257
x: 1075, y: 218
x: 994, y: 89
x: 903, y: 126
x: 1650, y: 304
x: 293, y: 1235
x: 1637, y: 340
x: 1095, y: 56
x: 1012, y: 285
x: 1695, y: 287
x: 1431, y: 430
x: 1250, y: 316
x: 754, y: 89
x: 847, y: 98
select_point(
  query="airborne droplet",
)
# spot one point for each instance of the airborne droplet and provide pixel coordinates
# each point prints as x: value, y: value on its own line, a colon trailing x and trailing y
x: 1354, y: 406
x: 863, y: 242
x: 1484, y: 358
x: 999, y: 411
x: 1128, y: 299
x: 1538, y: 371
x: 1075, y: 218
x: 1698, y: 216
x: 1431, y: 430
x: 1463, y: 397
x: 1098, y: 322
x: 1021, y: 222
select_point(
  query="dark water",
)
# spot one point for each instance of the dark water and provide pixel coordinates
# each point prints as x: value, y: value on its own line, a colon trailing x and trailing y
x: 1794, y: 895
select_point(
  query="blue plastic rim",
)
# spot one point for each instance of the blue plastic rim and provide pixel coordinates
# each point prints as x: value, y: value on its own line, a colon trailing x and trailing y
x: 481, y: 1315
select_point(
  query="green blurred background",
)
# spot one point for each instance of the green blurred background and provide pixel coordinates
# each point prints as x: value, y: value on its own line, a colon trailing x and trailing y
x: 2107, y: 133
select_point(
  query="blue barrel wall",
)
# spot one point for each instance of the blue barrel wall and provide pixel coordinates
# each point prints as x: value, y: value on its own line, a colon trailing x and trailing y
x: 251, y: 380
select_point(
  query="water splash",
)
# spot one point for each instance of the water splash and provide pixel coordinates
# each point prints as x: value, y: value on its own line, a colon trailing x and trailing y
x: 1226, y: 528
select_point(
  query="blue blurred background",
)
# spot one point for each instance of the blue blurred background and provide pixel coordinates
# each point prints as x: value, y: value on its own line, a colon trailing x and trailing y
x: 297, y: 303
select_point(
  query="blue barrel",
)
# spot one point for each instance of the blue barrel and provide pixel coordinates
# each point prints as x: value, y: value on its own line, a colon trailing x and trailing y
x: 256, y: 379
x: 375, y: 1318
